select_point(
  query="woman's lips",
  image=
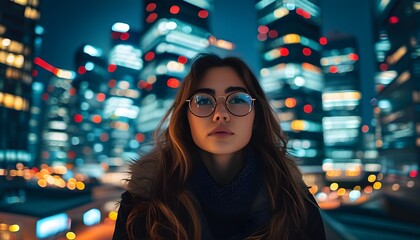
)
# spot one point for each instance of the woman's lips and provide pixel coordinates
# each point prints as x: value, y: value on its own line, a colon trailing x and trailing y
x: 221, y: 132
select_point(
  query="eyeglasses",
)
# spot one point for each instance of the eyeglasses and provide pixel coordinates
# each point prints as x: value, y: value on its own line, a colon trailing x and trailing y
x: 237, y: 103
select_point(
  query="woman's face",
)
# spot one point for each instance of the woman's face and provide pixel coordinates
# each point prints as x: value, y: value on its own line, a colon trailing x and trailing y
x: 221, y: 133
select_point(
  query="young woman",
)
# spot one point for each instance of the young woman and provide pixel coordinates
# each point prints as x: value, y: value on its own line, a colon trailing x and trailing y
x: 219, y: 169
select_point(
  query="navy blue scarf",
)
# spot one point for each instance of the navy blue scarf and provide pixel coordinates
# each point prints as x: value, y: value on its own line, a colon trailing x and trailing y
x: 226, y: 207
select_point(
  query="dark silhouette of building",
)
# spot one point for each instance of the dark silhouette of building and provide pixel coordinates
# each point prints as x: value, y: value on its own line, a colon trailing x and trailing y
x: 17, y: 40
x: 347, y: 149
x: 397, y: 104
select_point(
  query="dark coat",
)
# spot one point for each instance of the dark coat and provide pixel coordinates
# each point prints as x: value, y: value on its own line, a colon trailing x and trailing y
x: 259, y: 213
x: 256, y: 217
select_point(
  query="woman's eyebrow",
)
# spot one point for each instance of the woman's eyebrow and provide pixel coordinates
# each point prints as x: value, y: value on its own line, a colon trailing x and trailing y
x: 235, y: 89
x: 213, y: 92
x: 205, y: 90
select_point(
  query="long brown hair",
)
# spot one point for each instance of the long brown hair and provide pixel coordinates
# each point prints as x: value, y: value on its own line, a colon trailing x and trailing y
x: 159, y: 179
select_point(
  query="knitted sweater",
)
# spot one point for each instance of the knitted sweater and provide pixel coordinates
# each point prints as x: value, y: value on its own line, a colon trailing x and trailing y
x: 229, y: 212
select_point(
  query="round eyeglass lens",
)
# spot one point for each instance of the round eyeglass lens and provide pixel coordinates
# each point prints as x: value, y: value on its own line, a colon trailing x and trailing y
x: 202, y: 104
x: 239, y: 103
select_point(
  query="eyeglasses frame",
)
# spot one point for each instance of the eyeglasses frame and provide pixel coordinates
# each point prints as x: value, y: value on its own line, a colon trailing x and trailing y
x: 216, y: 98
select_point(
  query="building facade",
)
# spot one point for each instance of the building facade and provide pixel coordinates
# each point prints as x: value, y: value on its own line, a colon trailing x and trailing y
x: 175, y: 31
x: 289, y: 32
x: 349, y: 145
x: 87, y: 131
x: 123, y: 96
x: 17, y: 40
x: 397, y: 104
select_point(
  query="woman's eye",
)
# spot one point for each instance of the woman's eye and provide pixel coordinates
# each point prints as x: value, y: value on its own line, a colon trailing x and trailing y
x: 237, y: 100
x: 204, y: 101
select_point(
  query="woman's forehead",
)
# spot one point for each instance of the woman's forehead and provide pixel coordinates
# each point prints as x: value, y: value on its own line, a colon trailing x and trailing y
x: 220, y: 78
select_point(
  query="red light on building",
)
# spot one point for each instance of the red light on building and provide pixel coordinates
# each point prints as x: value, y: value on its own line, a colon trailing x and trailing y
x: 149, y: 56
x: 71, y: 154
x: 299, y: 11
x: 353, y: 56
x: 142, y: 84
x: 307, y: 108
x: 45, y: 154
x: 81, y: 70
x: 413, y: 173
x: 140, y: 137
x: 263, y: 29
x: 365, y: 128
x: 174, y: 9
x: 182, y: 59
x: 112, y: 83
x: 72, y: 91
x: 151, y: 18
x: 112, y: 68
x: 115, y: 35
x: 273, y: 34
x: 262, y: 37
x: 323, y: 41
x: 44, y: 96
x: 40, y: 62
x: 151, y: 7
x: 104, y: 137
x: 383, y: 66
x: 55, y: 71
x: 303, y: 13
x: 96, y: 119
x: 290, y: 102
x: 149, y: 87
x: 284, y: 52
x: 333, y: 69
x: 393, y: 19
x: 203, y: 14
x: 380, y: 87
x: 78, y: 118
x: 124, y: 36
x: 173, y: 83
x: 100, y: 97
x: 306, y: 51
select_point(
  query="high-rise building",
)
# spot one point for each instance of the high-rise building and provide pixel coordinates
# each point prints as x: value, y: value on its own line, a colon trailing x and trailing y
x: 349, y: 149
x: 87, y: 131
x: 175, y: 31
x: 289, y: 32
x: 36, y: 109
x: 17, y: 39
x: 36, y: 122
x: 123, y: 96
x: 397, y: 104
x: 56, y: 119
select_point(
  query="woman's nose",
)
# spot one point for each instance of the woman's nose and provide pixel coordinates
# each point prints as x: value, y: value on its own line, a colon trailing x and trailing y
x: 221, y: 112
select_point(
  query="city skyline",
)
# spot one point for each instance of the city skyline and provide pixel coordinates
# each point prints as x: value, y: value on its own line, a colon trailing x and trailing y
x: 341, y: 76
x: 58, y: 19
x: 343, y: 17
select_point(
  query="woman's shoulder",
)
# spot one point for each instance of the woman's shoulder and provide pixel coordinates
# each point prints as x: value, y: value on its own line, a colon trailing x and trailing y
x: 126, y: 205
x: 126, y: 198
x: 315, y: 226
x: 142, y: 173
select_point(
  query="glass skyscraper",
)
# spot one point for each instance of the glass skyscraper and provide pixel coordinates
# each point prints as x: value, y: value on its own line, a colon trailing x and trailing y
x: 291, y: 75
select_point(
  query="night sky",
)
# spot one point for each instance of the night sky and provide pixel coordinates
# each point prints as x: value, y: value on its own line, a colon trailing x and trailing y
x: 70, y: 23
